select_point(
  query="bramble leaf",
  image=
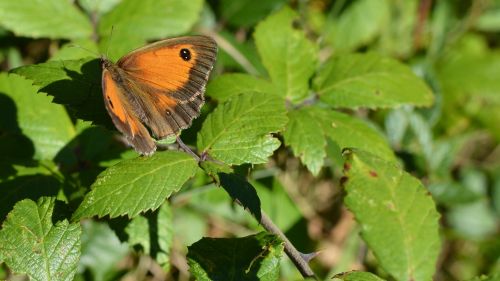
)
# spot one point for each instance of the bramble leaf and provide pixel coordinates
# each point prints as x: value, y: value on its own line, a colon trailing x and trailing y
x: 350, y: 131
x: 225, y: 86
x: 49, y: 18
x: 31, y: 244
x: 135, y: 22
x: 359, y: 24
x: 255, y: 257
x: 306, y: 137
x: 370, y: 80
x: 74, y: 83
x: 239, y: 131
x: 398, y: 217
x: 287, y: 54
x: 47, y: 125
x: 137, y: 185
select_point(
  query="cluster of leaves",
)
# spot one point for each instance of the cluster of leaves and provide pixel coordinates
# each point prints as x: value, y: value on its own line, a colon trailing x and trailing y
x: 300, y: 91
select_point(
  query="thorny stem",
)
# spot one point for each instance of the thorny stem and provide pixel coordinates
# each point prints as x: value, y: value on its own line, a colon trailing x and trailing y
x: 299, y: 259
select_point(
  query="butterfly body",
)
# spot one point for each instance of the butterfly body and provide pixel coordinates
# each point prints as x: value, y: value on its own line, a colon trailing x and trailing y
x: 159, y: 86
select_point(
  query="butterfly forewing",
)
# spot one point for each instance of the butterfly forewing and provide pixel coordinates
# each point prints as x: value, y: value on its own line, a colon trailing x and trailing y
x: 172, y: 75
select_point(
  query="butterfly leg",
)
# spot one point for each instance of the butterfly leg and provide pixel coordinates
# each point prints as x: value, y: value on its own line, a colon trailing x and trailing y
x: 186, y: 148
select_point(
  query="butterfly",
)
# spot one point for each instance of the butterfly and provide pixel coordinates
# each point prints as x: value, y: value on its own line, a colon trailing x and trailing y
x: 157, y: 90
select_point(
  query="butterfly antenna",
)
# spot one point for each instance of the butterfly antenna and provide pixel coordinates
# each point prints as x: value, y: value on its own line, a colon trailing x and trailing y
x: 72, y: 45
x: 109, y: 40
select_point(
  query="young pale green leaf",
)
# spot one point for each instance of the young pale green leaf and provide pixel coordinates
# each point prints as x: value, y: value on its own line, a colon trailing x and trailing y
x: 287, y: 54
x: 398, y: 218
x: 225, y: 86
x: 254, y: 257
x: 48, y: 18
x: 359, y: 24
x: 101, y: 249
x: 74, y: 83
x: 46, y: 124
x: 153, y: 233
x: 31, y: 244
x: 137, y: 185
x: 349, y: 131
x: 135, y: 22
x: 239, y: 131
x: 357, y: 276
x: 370, y: 80
x: 306, y: 137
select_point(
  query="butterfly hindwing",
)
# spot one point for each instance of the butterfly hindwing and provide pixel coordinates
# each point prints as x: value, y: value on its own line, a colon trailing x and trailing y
x: 124, y: 118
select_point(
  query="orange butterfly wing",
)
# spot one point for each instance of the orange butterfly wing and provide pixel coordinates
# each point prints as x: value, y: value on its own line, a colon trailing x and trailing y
x: 160, y: 85
x: 125, y: 120
x: 169, y: 78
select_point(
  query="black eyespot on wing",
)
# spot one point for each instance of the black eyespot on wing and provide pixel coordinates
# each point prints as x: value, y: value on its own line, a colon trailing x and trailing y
x: 185, y: 54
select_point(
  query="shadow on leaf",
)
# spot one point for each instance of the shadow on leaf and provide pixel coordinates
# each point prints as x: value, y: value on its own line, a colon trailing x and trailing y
x: 15, y: 147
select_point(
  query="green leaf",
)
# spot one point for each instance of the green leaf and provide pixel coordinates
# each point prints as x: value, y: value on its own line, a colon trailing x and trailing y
x: 309, y: 127
x: 98, y: 7
x: 359, y: 24
x: 464, y: 220
x: 245, y: 13
x: 48, y: 18
x: 349, y: 131
x: 137, y: 185
x: 31, y: 244
x: 254, y: 257
x: 399, y: 220
x: 74, y: 83
x: 75, y: 50
x: 400, y: 30
x: 306, y: 138
x: 475, y: 96
x: 489, y: 20
x: 240, y: 189
x: 239, y: 131
x: 21, y: 186
x: 357, y: 276
x: 369, y: 80
x: 226, y: 86
x: 101, y: 250
x: 135, y: 22
x: 287, y: 54
x: 153, y: 233
x: 46, y: 124
x: 15, y: 147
